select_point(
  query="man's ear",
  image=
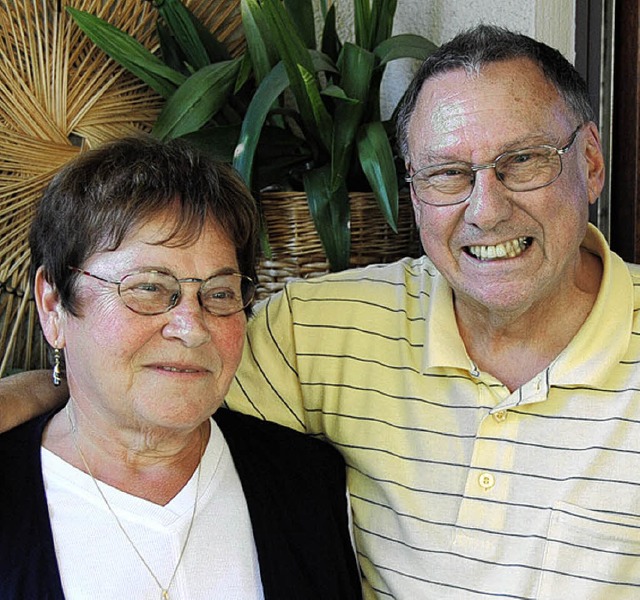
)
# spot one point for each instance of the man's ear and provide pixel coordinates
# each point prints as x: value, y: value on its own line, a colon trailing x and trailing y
x: 417, y: 205
x: 50, y: 310
x: 595, y: 162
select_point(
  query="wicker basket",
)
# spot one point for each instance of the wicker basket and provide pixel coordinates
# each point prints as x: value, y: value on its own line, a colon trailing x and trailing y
x: 296, y: 248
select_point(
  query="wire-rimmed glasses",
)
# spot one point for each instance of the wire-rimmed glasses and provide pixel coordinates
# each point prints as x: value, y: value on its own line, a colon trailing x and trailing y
x: 153, y: 292
x: 521, y: 170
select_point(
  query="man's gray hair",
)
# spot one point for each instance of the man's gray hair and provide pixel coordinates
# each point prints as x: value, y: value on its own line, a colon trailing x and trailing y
x: 485, y: 44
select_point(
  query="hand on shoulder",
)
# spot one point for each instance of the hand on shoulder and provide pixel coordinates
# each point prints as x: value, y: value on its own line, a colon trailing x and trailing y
x: 26, y: 395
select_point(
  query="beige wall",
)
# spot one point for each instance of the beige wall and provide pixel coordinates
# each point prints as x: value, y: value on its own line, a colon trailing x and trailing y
x: 551, y: 21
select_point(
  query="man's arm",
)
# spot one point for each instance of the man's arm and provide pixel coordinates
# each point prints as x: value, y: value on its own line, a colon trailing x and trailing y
x: 25, y: 395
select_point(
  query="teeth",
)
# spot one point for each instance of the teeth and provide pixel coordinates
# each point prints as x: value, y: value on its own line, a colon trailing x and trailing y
x: 509, y: 249
x: 175, y: 370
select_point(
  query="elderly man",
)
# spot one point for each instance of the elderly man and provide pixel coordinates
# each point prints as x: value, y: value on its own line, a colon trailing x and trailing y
x: 486, y: 396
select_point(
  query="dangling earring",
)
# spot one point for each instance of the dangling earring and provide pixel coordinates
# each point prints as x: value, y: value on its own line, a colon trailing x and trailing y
x: 57, y: 359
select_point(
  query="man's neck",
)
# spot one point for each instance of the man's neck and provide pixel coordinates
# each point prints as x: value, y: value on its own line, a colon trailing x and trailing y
x: 516, y: 347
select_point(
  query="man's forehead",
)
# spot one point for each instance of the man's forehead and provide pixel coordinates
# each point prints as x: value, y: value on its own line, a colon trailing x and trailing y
x: 522, y: 78
x: 509, y: 102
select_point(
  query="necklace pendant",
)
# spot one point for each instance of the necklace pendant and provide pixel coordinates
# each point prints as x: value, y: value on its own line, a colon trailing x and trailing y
x: 164, y: 595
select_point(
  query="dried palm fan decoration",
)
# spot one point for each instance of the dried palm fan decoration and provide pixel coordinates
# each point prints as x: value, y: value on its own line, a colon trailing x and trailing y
x: 59, y: 95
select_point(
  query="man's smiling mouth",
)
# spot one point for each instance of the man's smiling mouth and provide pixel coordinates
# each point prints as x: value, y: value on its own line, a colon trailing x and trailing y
x: 509, y: 249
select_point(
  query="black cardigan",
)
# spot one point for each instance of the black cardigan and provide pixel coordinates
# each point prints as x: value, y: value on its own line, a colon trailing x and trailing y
x: 295, y: 491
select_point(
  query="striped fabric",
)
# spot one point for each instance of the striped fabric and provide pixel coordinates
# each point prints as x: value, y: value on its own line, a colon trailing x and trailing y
x: 460, y: 489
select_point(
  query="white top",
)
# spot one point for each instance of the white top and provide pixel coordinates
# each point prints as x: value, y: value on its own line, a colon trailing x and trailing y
x: 96, y: 561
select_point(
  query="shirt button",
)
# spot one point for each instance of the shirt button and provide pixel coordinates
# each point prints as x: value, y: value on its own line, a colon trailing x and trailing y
x: 500, y: 416
x: 486, y: 481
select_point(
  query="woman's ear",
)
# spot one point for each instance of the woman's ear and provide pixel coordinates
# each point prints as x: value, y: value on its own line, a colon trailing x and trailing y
x: 50, y: 310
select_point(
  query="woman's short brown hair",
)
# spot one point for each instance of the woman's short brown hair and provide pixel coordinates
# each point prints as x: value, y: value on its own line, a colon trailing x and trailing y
x: 96, y: 200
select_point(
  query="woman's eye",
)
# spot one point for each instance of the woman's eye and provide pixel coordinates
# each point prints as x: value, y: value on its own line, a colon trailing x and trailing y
x: 522, y: 158
x: 220, y: 294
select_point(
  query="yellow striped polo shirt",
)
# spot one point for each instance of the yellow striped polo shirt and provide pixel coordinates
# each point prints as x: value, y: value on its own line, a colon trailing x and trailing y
x: 459, y: 488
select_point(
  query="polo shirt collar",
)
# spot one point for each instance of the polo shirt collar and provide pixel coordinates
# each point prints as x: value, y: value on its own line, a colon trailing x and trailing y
x: 599, y: 344
x: 604, y: 337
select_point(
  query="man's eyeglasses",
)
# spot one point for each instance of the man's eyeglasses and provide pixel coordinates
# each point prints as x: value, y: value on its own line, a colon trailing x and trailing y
x: 518, y: 170
x: 156, y: 292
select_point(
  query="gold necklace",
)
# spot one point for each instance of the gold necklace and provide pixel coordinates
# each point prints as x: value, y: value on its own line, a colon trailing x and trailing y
x: 164, y: 591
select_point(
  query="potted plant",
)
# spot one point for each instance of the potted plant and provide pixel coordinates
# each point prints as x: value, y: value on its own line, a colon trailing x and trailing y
x: 291, y: 112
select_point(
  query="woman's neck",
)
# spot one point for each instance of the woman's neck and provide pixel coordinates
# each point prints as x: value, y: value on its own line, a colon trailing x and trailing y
x: 151, y: 464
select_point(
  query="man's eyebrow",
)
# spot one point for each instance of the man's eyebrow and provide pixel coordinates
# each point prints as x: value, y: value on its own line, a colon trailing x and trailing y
x: 433, y: 158
x: 527, y: 140
x: 530, y: 139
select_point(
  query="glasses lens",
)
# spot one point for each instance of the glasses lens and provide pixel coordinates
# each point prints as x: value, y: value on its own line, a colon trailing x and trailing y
x: 224, y: 295
x: 443, y: 184
x: 529, y: 169
x: 149, y: 292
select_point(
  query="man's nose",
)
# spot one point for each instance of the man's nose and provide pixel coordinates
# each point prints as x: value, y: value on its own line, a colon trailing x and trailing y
x: 490, y: 201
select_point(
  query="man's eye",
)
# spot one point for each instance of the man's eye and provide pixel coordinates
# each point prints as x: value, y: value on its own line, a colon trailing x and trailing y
x: 447, y: 174
x: 451, y: 173
x: 526, y: 158
x: 147, y: 287
x: 443, y: 173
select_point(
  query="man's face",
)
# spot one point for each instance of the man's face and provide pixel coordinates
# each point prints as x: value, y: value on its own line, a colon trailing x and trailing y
x: 474, y: 118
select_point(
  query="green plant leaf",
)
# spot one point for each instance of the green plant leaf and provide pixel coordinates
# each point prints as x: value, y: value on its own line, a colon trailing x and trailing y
x: 331, y: 44
x: 301, y: 13
x: 181, y: 23
x: 323, y: 62
x: 281, y: 160
x: 405, y: 45
x: 259, y: 45
x: 362, y: 23
x: 128, y: 52
x: 244, y: 76
x: 321, y: 117
x: 197, y: 100
x: 264, y: 98
x: 294, y: 55
x: 382, y: 15
x: 331, y: 213
x: 267, y: 93
x: 214, y: 48
x: 170, y: 50
x: 376, y: 158
x: 337, y: 92
x: 219, y: 141
x: 357, y: 68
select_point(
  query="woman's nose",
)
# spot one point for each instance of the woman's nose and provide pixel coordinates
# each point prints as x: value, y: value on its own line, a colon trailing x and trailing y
x: 187, y: 321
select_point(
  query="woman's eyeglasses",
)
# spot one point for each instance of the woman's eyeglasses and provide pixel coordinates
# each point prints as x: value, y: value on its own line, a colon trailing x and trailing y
x: 155, y: 292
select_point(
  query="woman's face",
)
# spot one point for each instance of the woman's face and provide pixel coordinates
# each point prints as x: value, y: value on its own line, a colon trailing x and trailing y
x: 170, y: 370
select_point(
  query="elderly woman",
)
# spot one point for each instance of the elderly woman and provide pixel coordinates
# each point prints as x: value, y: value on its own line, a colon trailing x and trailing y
x: 143, y: 258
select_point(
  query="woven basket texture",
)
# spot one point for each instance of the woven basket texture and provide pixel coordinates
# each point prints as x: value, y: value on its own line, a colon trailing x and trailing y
x: 296, y: 248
